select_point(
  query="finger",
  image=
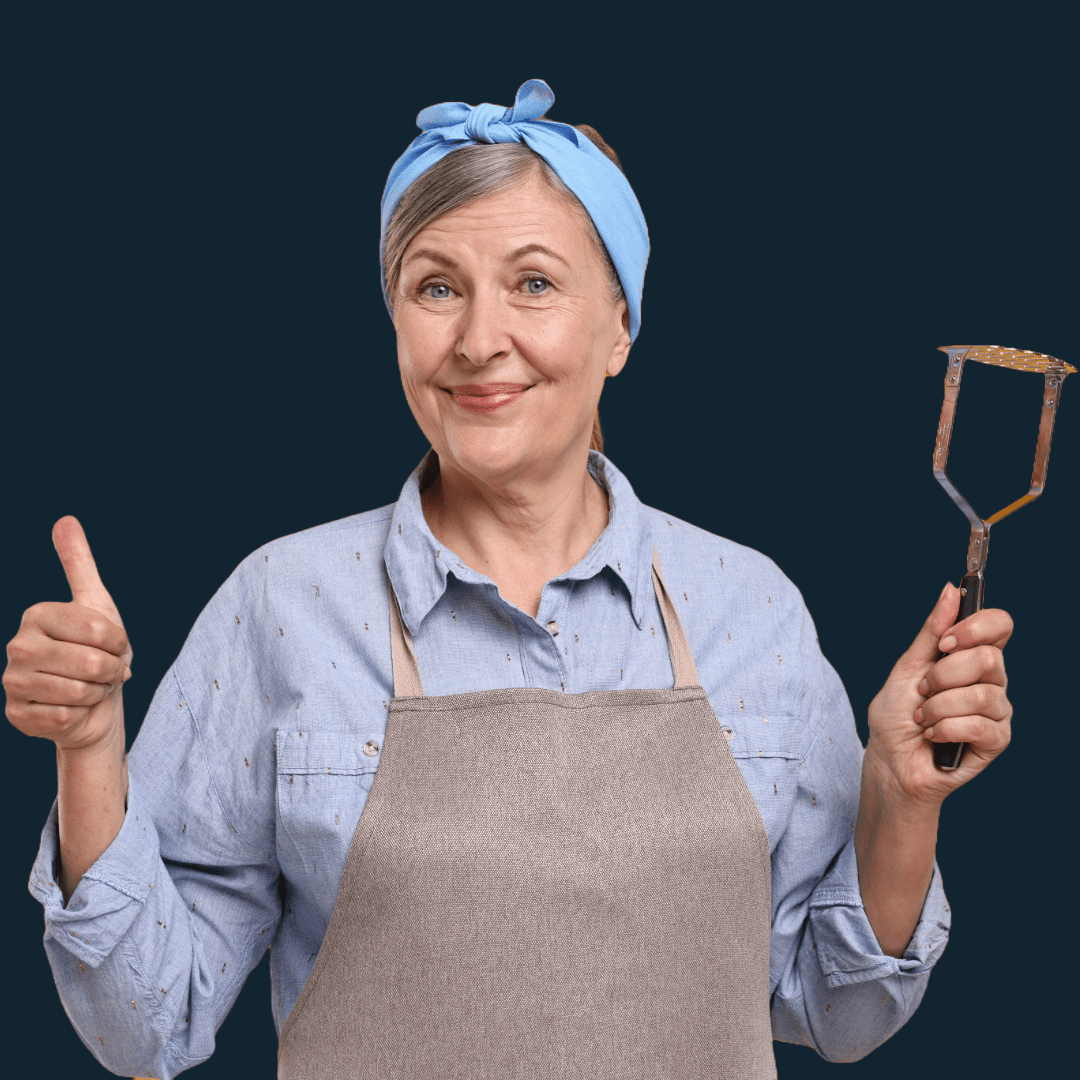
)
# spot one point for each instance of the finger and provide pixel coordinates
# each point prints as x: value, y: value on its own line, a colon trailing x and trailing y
x: 79, y: 566
x: 77, y: 623
x: 68, y: 660
x: 981, y: 664
x: 924, y: 649
x: 991, y: 626
x: 982, y: 699
x: 40, y: 688
x: 987, y: 735
x: 47, y: 721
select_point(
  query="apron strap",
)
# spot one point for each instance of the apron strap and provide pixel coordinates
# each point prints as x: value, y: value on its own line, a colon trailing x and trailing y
x: 682, y: 659
x: 408, y: 683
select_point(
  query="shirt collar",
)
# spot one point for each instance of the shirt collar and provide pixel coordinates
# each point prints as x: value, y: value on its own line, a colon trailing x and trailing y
x: 418, y: 564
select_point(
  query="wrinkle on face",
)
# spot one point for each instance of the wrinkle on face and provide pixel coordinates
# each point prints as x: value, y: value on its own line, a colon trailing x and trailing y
x: 485, y: 326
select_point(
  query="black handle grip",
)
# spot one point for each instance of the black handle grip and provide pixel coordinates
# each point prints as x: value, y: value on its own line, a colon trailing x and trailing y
x: 947, y: 755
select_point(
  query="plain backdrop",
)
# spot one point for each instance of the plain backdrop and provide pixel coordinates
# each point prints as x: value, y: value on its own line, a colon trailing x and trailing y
x: 196, y: 359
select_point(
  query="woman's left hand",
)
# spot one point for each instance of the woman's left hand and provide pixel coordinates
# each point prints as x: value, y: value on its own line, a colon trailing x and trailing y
x: 959, y: 698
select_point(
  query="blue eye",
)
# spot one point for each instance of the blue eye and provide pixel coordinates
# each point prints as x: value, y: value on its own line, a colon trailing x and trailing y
x: 441, y: 291
x: 536, y: 286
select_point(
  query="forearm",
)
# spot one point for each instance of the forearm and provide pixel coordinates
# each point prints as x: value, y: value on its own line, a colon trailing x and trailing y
x: 91, y: 801
x: 895, y: 839
x: 147, y: 964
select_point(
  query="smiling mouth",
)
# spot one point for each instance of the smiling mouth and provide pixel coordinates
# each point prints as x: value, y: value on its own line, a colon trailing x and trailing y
x: 486, y: 397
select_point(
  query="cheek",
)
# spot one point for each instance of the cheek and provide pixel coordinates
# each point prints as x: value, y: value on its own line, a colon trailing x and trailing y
x: 420, y: 352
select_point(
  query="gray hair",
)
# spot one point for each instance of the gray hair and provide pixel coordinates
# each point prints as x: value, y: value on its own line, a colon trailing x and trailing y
x: 472, y: 173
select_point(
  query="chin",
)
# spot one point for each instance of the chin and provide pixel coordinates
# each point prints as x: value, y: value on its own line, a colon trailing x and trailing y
x: 495, y: 452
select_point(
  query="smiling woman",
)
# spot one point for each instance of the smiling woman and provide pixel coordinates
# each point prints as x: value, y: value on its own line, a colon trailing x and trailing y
x: 476, y: 171
x: 518, y: 776
x: 506, y: 331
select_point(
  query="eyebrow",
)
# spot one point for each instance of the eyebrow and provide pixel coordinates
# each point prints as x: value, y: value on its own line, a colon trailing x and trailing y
x: 519, y: 253
x: 434, y: 256
x: 533, y: 249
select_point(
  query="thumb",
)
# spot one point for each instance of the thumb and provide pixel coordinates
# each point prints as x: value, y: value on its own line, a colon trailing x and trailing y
x: 925, y: 646
x: 80, y: 568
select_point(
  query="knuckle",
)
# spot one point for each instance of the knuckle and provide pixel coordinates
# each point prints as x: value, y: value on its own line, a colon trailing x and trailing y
x: 62, y: 716
x: 86, y: 666
x: 102, y: 665
x: 18, y: 650
x: 33, y: 613
x: 12, y: 683
x: 91, y: 694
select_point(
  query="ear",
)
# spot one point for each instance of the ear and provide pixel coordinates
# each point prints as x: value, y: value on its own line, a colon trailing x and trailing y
x: 620, y: 348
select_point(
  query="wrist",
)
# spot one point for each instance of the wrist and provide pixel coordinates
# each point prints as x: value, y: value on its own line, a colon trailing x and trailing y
x: 88, y: 746
x: 881, y: 790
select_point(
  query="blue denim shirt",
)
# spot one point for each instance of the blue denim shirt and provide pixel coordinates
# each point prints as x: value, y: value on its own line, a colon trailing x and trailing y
x: 253, y: 764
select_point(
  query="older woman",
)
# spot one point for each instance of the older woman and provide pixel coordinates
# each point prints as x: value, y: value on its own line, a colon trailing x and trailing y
x: 624, y: 825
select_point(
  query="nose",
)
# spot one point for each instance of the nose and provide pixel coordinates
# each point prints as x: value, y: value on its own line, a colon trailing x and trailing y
x: 483, y: 334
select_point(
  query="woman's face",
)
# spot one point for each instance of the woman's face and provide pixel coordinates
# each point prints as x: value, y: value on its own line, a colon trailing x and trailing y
x: 506, y: 330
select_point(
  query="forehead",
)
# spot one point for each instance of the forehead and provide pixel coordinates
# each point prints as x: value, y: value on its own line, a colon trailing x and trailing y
x: 530, y: 211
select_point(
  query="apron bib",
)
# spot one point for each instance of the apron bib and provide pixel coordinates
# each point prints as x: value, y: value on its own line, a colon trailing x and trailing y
x: 546, y: 885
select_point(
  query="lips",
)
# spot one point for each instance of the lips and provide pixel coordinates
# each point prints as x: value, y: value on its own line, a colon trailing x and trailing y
x: 486, y: 397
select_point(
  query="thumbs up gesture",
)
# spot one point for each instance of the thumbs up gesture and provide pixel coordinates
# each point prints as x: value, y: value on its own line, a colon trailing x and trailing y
x: 68, y: 661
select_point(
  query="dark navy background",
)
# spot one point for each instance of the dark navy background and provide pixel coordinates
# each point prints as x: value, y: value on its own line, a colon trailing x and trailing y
x: 197, y: 360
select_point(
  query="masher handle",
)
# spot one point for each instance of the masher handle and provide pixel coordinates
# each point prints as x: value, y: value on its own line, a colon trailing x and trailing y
x: 947, y: 755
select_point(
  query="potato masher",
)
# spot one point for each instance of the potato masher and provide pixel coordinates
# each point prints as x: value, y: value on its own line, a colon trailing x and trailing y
x: 948, y: 755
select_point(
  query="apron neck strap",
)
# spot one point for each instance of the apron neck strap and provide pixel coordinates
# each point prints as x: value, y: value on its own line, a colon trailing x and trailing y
x: 682, y: 659
x: 408, y: 683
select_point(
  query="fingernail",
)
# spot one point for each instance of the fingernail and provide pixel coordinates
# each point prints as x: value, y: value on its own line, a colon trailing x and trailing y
x: 928, y: 733
x: 943, y: 591
x: 127, y: 674
x: 945, y: 644
x: 918, y: 716
x: 923, y: 687
x: 112, y: 687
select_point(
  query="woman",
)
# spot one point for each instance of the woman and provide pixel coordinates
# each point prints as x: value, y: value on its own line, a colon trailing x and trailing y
x: 624, y: 826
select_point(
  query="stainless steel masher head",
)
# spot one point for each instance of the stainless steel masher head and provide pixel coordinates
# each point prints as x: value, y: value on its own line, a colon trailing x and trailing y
x: 948, y: 755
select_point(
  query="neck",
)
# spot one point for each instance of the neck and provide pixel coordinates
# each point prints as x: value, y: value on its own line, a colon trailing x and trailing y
x: 522, y: 531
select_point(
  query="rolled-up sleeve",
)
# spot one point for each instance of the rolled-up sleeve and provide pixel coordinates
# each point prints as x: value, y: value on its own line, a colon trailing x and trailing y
x: 156, y: 941
x: 832, y: 987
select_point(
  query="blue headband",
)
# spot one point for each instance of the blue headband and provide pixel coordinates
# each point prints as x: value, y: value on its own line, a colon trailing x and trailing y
x: 584, y: 169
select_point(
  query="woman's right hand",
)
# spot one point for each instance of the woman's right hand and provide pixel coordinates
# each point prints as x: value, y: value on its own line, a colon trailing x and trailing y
x: 67, y: 662
x: 66, y: 667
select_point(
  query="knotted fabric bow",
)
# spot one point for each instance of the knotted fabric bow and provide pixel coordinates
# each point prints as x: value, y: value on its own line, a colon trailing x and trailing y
x: 585, y: 170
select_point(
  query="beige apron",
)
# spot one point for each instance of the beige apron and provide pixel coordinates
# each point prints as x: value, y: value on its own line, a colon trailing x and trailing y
x: 546, y: 885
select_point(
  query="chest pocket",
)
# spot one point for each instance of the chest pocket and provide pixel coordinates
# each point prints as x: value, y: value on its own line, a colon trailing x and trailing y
x: 764, y: 750
x: 323, y: 781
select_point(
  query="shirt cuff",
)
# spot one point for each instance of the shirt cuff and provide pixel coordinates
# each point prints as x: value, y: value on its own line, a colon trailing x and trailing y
x: 844, y: 940
x: 110, y: 894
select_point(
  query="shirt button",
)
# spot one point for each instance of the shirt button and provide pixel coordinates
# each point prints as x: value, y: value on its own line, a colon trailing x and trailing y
x: 728, y: 733
x: 553, y: 627
x: 371, y: 748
